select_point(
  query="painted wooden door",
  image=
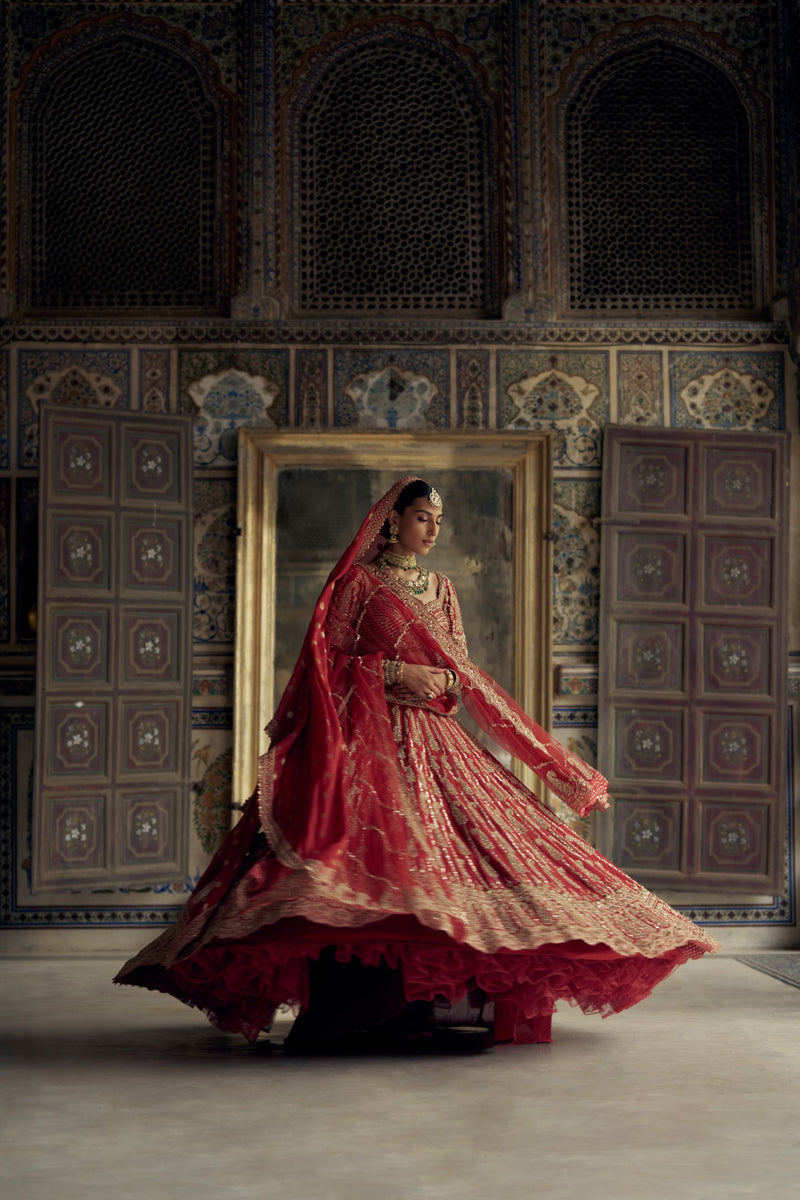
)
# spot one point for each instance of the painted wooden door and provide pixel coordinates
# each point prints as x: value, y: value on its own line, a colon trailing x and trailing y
x: 693, y: 655
x: 114, y: 649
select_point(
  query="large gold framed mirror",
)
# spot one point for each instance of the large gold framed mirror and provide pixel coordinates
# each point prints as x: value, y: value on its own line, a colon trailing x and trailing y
x: 301, y: 499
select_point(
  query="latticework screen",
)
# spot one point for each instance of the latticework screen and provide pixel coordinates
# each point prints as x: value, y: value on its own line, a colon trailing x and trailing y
x: 122, y: 162
x: 659, y: 190
x: 394, y: 188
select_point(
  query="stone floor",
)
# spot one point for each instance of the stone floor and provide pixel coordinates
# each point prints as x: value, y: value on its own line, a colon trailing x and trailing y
x: 116, y: 1092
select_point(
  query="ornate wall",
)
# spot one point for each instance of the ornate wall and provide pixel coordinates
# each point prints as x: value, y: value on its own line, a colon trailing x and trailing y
x: 385, y: 215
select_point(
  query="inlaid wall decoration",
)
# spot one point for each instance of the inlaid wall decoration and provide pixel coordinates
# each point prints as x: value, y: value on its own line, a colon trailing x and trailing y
x: 224, y: 401
x: 692, y: 719
x: 727, y: 391
x: 311, y: 399
x: 211, y: 811
x: 213, y: 614
x: 404, y: 389
x: 74, y: 378
x: 565, y: 392
x: 473, y: 389
x: 114, y: 665
x: 224, y: 390
x: 640, y: 389
x: 576, y: 563
x: 154, y: 381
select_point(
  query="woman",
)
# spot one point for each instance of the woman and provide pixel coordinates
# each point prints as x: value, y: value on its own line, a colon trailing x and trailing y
x: 388, y: 863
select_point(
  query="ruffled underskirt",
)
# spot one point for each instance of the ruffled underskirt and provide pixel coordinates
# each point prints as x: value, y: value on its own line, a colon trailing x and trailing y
x: 240, y: 984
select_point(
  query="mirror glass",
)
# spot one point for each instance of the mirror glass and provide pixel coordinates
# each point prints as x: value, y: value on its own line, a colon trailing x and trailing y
x: 302, y: 497
x: 319, y: 512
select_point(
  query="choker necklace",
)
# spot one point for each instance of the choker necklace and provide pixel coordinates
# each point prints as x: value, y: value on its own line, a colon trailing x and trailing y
x: 419, y: 585
x: 405, y: 562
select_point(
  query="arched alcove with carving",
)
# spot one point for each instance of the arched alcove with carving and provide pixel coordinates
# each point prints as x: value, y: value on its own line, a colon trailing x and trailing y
x: 391, y: 176
x: 124, y: 176
x: 659, y: 183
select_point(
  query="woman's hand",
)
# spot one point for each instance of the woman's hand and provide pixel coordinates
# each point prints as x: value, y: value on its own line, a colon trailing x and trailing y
x: 426, y: 682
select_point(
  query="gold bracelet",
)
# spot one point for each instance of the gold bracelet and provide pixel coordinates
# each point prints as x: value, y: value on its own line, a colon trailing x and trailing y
x: 452, y: 680
x: 393, y: 672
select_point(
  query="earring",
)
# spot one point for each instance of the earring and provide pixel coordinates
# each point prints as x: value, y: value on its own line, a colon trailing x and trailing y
x: 392, y: 533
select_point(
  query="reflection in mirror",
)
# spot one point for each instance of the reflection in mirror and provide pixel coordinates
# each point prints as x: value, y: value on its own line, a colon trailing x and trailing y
x: 319, y: 512
x: 302, y: 497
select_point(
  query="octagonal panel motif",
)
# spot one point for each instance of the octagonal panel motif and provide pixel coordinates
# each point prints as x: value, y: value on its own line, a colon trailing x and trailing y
x: 735, y: 838
x: 147, y: 826
x: 77, y: 739
x: 647, y: 834
x: 113, y: 686
x: 151, y: 645
x: 650, y: 656
x: 739, y: 483
x: 737, y: 659
x: 150, y: 737
x: 648, y: 744
x: 738, y: 571
x: 692, y: 687
x: 153, y: 560
x: 80, y: 552
x: 652, y: 479
x: 77, y: 838
x: 735, y: 748
x: 82, y: 463
x: 650, y: 567
x: 79, y: 645
x: 153, y: 466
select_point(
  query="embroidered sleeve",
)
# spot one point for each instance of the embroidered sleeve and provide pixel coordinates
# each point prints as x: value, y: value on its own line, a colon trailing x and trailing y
x: 453, y: 611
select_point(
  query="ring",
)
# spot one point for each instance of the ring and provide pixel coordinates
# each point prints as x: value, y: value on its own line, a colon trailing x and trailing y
x: 429, y: 695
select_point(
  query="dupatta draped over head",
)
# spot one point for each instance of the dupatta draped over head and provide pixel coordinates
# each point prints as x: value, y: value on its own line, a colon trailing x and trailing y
x: 333, y: 750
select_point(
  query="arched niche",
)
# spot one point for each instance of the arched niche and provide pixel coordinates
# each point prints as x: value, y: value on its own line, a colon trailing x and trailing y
x: 125, y: 170
x: 659, y: 183
x: 391, y: 177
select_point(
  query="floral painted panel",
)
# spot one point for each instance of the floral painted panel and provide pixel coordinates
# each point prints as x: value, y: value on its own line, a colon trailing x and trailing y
x: 113, y: 702
x: 565, y: 392
x: 98, y: 379
x: 728, y: 391
x: 692, y: 708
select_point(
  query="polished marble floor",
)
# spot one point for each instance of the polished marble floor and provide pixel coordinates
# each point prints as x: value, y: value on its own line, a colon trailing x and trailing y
x: 117, y: 1092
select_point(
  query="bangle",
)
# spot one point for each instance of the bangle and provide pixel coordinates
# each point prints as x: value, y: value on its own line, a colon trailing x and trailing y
x: 393, y: 672
x: 452, y: 680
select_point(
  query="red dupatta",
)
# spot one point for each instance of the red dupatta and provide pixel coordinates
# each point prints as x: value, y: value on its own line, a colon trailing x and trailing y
x: 333, y: 748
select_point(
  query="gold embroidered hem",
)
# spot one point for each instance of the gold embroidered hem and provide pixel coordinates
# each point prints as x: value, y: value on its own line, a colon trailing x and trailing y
x: 381, y: 827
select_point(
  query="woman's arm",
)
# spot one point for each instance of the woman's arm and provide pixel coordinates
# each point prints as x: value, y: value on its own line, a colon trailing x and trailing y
x: 453, y: 613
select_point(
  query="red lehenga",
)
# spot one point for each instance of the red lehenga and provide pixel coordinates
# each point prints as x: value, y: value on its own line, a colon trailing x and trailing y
x: 381, y: 828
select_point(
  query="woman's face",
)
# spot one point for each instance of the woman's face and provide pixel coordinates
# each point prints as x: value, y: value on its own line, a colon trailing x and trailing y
x: 417, y: 527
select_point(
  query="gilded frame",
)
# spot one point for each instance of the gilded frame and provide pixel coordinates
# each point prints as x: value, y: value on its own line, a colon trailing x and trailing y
x: 263, y: 453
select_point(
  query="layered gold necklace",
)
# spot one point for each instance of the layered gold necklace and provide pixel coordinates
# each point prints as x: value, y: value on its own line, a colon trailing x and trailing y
x: 406, y: 562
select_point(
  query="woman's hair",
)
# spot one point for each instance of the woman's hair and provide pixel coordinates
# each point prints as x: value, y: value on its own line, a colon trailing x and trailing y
x: 411, y: 492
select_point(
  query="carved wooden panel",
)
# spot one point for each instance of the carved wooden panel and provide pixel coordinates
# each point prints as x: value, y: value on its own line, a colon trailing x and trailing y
x: 693, y: 619
x: 114, y: 650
